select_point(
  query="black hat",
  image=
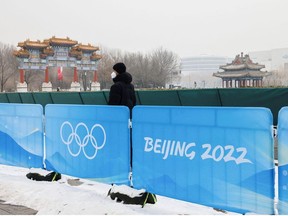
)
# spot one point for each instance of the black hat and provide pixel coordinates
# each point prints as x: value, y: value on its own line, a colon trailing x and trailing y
x: 119, y: 68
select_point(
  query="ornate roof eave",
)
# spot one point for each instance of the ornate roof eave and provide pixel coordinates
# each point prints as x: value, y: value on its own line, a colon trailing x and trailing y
x: 233, y: 67
x: 88, y: 48
x: 20, y: 44
x: 220, y: 75
x: 95, y: 57
x: 32, y: 44
x: 242, y: 66
x: 61, y: 41
x: 75, y: 53
x: 251, y: 74
x: 48, y: 51
x: 241, y: 63
x: 255, y: 66
x: 21, y: 53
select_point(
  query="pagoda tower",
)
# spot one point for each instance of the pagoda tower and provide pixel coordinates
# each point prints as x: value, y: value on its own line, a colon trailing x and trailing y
x: 242, y: 72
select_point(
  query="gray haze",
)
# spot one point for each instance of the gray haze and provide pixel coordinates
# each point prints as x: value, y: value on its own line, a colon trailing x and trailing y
x: 186, y: 27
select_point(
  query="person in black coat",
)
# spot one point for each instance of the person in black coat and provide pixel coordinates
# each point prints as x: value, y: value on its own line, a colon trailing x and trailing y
x: 122, y: 91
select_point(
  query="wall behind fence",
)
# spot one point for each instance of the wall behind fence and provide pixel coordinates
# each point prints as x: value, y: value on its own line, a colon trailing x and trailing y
x: 220, y: 157
x: 272, y: 98
x: 21, y: 135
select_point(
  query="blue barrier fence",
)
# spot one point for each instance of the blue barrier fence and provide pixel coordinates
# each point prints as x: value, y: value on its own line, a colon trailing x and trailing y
x: 283, y: 160
x: 88, y: 141
x: 220, y: 157
x: 216, y: 156
x: 21, y: 135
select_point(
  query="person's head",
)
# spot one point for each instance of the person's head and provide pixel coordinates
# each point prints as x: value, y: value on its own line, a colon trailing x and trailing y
x: 119, y: 68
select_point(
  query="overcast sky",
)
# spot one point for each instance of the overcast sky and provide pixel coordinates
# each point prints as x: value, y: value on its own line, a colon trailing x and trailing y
x: 186, y: 27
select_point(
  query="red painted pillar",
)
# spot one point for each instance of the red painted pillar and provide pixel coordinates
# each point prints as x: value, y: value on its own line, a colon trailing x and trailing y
x: 95, y: 79
x: 21, y: 75
x: 46, y: 75
x: 75, y: 75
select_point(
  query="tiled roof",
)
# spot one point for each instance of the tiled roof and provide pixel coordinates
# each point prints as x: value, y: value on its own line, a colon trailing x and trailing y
x: 88, y: 47
x: 62, y: 41
x: 241, y: 63
x: 95, y: 57
x: 22, y: 53
x: 239, y: 74
x: 32, y: 44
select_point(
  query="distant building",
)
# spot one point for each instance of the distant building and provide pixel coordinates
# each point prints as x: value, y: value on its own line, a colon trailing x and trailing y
x: 274, y: 60
x: 242, y: 72
x: 197, y: 71
x: 57, y: 53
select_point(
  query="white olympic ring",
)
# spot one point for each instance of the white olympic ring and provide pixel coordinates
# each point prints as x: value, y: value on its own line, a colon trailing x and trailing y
x: 82, y: 143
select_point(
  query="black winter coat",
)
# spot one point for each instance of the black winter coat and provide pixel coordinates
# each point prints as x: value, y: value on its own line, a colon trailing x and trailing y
x: 122, y: 91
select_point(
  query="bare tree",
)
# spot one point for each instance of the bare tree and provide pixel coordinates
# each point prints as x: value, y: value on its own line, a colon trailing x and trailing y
x: 34, y: 79
x: 8, y: 67
x: 278, y: 78
x: 163, y: 64
x: 140, y: 69
x: 105, y: 66
x: 150, y: 70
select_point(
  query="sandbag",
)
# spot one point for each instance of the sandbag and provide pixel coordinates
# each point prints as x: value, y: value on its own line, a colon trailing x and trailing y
x: 129, y: 195
x: 53, y: 176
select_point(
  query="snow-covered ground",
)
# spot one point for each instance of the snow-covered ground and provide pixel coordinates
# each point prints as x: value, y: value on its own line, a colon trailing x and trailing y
x: 75, y: 196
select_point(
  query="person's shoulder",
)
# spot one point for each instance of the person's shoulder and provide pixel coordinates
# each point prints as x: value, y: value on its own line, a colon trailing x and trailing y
x: 118, y: 85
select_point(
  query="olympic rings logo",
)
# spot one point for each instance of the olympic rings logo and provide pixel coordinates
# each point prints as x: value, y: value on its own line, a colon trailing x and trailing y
x: 81, y: 143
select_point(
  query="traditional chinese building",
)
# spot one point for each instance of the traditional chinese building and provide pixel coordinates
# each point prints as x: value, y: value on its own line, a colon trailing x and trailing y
x: 57, y: 52
x: 242, y: 72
